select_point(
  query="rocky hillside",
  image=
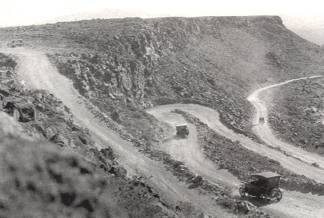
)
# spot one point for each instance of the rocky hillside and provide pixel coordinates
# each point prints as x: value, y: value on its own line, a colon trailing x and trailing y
x: 124, y: 66
x: 52, y: 168
x: 39, y: 179
x: 298, y: 115
x: 138, y: 63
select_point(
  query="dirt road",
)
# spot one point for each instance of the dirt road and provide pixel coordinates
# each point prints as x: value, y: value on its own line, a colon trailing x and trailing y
x: 189, y: 151
x: 37, y: 72
x: 264, y: 130
x: 211, y: 118
x: 293, y: 204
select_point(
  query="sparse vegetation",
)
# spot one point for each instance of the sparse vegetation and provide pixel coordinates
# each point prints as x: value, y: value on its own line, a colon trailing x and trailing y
x: 201, y: 59
x: 297, y: 115
x: 71, y: 177
x: 123, y: 66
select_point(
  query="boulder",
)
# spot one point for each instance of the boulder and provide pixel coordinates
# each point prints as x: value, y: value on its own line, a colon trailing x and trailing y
x: 196, y: 182
x: 59, y: 139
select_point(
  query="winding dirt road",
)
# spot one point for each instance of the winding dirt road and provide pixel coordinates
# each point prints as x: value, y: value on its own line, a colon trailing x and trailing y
x: 265, y: 133
x: 293, y: 204
x: 211, y: 118
x: 37, y: 72
x: 189, y: 150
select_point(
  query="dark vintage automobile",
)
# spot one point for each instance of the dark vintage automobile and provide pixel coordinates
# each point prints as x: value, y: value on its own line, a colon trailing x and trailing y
x: 263, y: 186
x: 261, y: 120
x: 182, y: 131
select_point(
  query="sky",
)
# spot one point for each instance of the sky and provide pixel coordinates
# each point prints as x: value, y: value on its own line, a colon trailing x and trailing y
x: 303, y: 14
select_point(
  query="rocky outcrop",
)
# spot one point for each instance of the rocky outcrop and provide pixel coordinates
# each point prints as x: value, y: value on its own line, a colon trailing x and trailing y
x: 40, y: 180
x: 139, y: 63
x: 52, y: 168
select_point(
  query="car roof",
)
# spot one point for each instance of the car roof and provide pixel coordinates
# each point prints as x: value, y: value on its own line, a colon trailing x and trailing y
x: 266, y: 175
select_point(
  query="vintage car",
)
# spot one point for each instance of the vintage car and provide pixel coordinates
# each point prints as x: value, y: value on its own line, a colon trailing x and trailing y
x: 182, y: 131
x: 263, y: 185
x: 261, y: 120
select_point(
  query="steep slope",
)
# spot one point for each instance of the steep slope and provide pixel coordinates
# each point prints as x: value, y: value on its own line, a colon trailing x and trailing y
x: 263, y: 130
x: 123, y: 66
x: 215, y: 61
x: 208, y: 198
x: 40, y: 180
x: 297, y: 116
x: 73, y: 177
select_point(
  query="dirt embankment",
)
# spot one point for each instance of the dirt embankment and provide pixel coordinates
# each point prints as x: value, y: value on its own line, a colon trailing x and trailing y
x: 39, y: 179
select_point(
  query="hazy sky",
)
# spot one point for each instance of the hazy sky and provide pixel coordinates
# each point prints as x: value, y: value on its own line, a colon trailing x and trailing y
x: 17, y: 12
x: 25, y: 12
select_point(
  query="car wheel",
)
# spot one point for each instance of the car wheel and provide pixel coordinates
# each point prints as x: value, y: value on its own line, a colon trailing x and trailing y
x: 276, y: 194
